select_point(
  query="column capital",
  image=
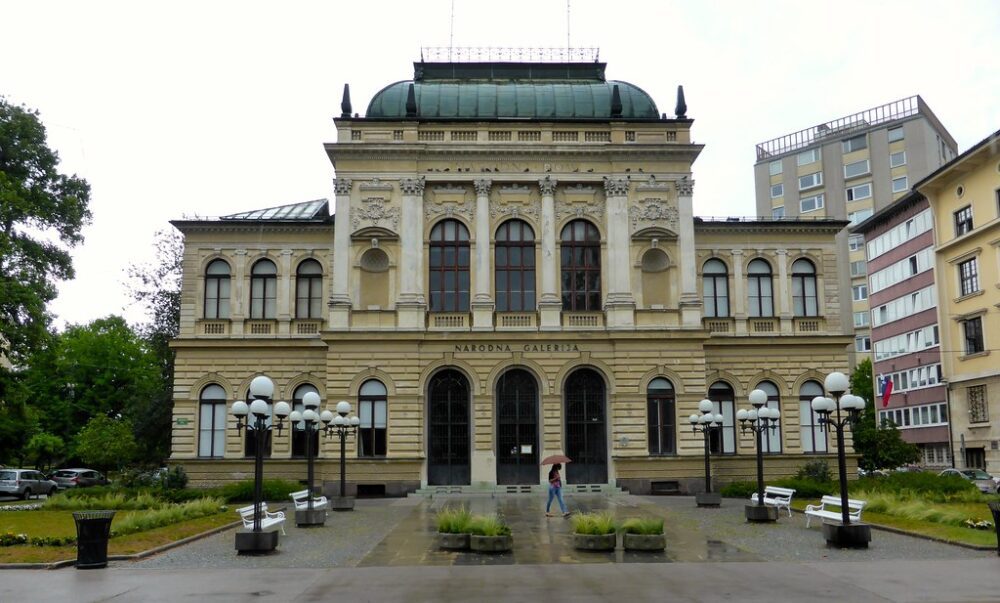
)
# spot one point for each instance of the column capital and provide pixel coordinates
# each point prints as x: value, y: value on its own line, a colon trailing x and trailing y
x: 482, y: 186
x: 342, y: 186
x: 736, y: 251
x: 547, y: 186
x: 685, y: 187
x: 412, y: 186
x: 615, y: 187
x: 781, y: 251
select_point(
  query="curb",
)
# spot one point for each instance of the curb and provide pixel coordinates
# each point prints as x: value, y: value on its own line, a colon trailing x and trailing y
x: 974, y: 547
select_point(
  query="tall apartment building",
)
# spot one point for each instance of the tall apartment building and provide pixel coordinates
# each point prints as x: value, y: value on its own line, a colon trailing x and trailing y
x: 849, y: 168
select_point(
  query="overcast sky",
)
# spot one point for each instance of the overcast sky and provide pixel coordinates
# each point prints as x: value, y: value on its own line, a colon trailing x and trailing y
x: 209, y: 108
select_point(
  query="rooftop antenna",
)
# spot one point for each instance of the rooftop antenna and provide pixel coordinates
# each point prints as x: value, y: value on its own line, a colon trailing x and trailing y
x: 451, y: 32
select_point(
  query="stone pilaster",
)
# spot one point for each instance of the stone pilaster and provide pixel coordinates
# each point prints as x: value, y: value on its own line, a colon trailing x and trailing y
x: 238, y: 292
x: 738, y: 300
x: 411, y: 305
x: 691, y: 304
x: 286, y: 293
x: 620, y: 304
x: 784, y: 294
x: 549, y: 303
x: 340, y: 300
x: 482, y: 301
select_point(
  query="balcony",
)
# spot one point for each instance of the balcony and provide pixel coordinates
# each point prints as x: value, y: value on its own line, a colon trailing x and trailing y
x: 307, y: 327
x: 213, y: 327
x: 583, y: 320
x: 260, y: 327
x: 448, y: 321
x: 719, y: 325
x: 516, y: 321
x: 809, y: 326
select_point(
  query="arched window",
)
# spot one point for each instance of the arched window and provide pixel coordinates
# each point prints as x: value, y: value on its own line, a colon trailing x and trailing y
x: 309, y: 290
x: 217, y: 289
x: 373, y: 411
x: 715, y: 288
x: 212, y: 422
x: 770, y: 441
x: 813, y: 437
x: 804, y: 288
x: 263, y: 290
x: 581, y: 267
x: 449, y: 267
x: 660, y: 417
x: 514, y: 256
x: 250, y: 437
x: 723, y: 399
x: 759, y: 288
x: 298, y: 429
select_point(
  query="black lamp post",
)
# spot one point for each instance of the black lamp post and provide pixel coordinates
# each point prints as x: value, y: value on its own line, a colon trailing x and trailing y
x: 847, y: 407
x: 343, y: 425
x: 310, y: 420
x: 758, y: 420
x: 261, y: 390
x: 705, y: 423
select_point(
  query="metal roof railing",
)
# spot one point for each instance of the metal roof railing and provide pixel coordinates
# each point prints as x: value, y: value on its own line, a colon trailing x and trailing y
x: 486, y: 54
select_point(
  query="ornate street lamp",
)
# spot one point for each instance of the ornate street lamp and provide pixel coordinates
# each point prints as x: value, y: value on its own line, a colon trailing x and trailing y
x: 705, y: 424
x: 261, y: 390
x: 342, y: 425
x: 759, y: 419
x: 847, y: 407
x: 310, y: 419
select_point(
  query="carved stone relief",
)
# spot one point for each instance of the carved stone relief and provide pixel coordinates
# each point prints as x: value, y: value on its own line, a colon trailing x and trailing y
x: 653, y: 212
x: 652, y: 184
x: 376, y: 211
x: 514, y: 210
x: 375, y: 185
x: 448, y: 210
x: 592, y: 208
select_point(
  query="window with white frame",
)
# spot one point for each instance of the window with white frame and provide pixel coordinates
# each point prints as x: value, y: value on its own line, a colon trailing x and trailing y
x: 812, y: 434
x: 905, y: 268
x: 855, y: 242
x: 915, y: 378
x: 861, y: 319
x: 723, y: 441
x: 859, y: 292
x: 855, y: 143
x: 897, y: 159
x: 899, y: 234
x: 857, y: 217
x: 862, y: 344
x: 963, y: 220
x: 810, y: 181
x: 807, y: 157
x: 778, y: 212
x: 904, y: 306
x: 925, y: 415
x: 759, y: 292
x: 774, y: 168
x: 805, y: 299
x: 900, y: 184
x: 968, y: 276
x: 807, y: 204
x: 770, y: 440
x: 907, y: 343
x: 859, y: 192
x: 777, y: 190
x: 857, y: 168
x: 212, y: 422
x: 859, y: 268
x: 895, y: 134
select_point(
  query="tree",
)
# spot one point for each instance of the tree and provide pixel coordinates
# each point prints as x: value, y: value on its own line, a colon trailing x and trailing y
x: 881, y: 447
x: 43, y: 448
x: 106, y: 443
x: 42, y: 214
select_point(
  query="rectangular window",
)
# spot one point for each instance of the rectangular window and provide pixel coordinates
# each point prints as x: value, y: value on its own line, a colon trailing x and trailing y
x: 862, y: 344
x: 811, y: 203
x: 778, y: 212
x: 860, y: 292
x: 895, y: 134
x: 859, y: 192
x: 774, y: 168
x: 854, y: 144
x: 857, y: 217
x: 968, y: 276
x: 900, y: 184
x: 372, y: 430
x: 810, y: 180
x: 856, y: 242
x: 212, y: 430
x: 812, y: 433
x: 976, y: 396
x: 861, y: 319
x: 963, y: 220
x: 807, y: 157
x: 897, y: 159
x: 777, y: 190
x: 973, y: 332
x: 727, y: 444
x: 858, y: 168
x: 859, y: 268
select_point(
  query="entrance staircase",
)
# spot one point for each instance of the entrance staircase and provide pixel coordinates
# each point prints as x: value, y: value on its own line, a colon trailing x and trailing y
x: 499, y: 490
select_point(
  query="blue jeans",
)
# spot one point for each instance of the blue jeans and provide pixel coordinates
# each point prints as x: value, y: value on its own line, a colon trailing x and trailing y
x: 555, y: 493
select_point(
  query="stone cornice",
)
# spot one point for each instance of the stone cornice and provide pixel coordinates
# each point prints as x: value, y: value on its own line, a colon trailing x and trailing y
x: 247, y: 226
x: 826, y: 226
x: 494, y: 152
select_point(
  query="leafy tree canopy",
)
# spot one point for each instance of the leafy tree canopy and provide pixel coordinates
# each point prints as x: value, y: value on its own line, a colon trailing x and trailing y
x: 880, y: 447
x: 44, y: 448
x: 42, y: 213
x: 106, y: 443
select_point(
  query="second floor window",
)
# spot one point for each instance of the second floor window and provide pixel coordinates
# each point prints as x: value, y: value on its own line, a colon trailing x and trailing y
x: 581, y: 267
x: 759, y: 286
x: 715, y: 288
x: 263, y: 290
x: 968, y: 277
x: 804, y: 299
x: 514, y: 255
x: 963, y: 220
x: 309, y: 290
x: 217, y: 284
x: 449, y: 267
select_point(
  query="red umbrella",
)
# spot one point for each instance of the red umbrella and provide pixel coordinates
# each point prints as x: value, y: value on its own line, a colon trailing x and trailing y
x: 556, y: 458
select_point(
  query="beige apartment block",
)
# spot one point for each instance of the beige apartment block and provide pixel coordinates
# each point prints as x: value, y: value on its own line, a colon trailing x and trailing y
x: 510, y: 268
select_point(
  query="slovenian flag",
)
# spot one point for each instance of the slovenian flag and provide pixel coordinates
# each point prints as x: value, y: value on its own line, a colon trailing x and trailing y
x: 885, y: 389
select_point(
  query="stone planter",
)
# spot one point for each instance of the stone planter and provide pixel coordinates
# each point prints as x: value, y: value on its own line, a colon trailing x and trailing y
x: 595, y: 542
x: 453, y: 542
x: 760, y: 513
x: 854, y: 536
x: 490, y: 544
x: 644, y: 542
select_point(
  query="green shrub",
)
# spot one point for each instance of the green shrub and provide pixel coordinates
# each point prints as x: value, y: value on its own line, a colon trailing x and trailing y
x: 488, y: 525
x: 274, y: 489
x: 109, y: 500
x: 176, y: 478
x: 808, y: 488
x: 739, y: 489
x: 817, y: 471
x: 156, y: 518
x: 944, y: 487
x: 595, y: 524
x: 643, y: 525
x: 453, y: 520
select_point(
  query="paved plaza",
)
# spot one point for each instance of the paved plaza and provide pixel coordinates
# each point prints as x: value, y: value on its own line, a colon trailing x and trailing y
x: 385, y: 551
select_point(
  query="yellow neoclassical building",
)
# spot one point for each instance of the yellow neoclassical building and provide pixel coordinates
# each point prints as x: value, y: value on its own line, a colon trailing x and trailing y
x: 510, y: 268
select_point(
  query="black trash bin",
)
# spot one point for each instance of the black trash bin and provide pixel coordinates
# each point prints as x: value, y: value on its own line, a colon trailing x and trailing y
x: 93, y: 528
x: 995, y: 508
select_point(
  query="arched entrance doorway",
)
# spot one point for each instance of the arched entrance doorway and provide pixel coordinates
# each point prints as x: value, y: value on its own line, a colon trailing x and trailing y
x: 586, y: 435
x: 517, y: 428
x: 448, y: 429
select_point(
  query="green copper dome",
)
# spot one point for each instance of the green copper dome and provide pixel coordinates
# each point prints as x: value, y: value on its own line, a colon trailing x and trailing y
x: 528, y: 91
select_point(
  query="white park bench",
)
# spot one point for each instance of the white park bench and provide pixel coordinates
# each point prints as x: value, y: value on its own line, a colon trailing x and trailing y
x: 301, y: 500
x: 823, y: 509
x: 776, y: 497
x: 267, y: 518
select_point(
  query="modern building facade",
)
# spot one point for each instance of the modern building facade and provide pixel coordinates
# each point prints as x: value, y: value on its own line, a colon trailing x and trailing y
x: 849, y: 168
x: 512, y: 269
x: 964, y: 196
x: 906, y: 339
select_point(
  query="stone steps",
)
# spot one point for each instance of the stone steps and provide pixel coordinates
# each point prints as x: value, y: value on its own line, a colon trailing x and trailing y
x: 512, y: 490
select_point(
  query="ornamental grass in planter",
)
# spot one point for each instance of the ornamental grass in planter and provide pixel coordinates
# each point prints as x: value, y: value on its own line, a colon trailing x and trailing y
x: 453, y: 527
x: 594, y: 532
x: 643, y: 534
x: 489, y: 534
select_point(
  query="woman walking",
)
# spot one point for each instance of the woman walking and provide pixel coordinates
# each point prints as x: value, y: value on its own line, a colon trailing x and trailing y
x: 555, y: 490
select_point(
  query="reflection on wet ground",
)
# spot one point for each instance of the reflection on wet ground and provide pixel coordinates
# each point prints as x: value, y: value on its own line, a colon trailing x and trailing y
x: 539, y: 539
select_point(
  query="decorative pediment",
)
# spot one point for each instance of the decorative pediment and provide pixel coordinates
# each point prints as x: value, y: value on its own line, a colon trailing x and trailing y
x: 654, y: 232
x: 374, y: 232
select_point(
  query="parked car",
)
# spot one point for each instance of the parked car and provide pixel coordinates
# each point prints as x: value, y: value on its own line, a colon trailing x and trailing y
x: 984, y: 481
x: 78, y: 478
x: 24, y: 483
